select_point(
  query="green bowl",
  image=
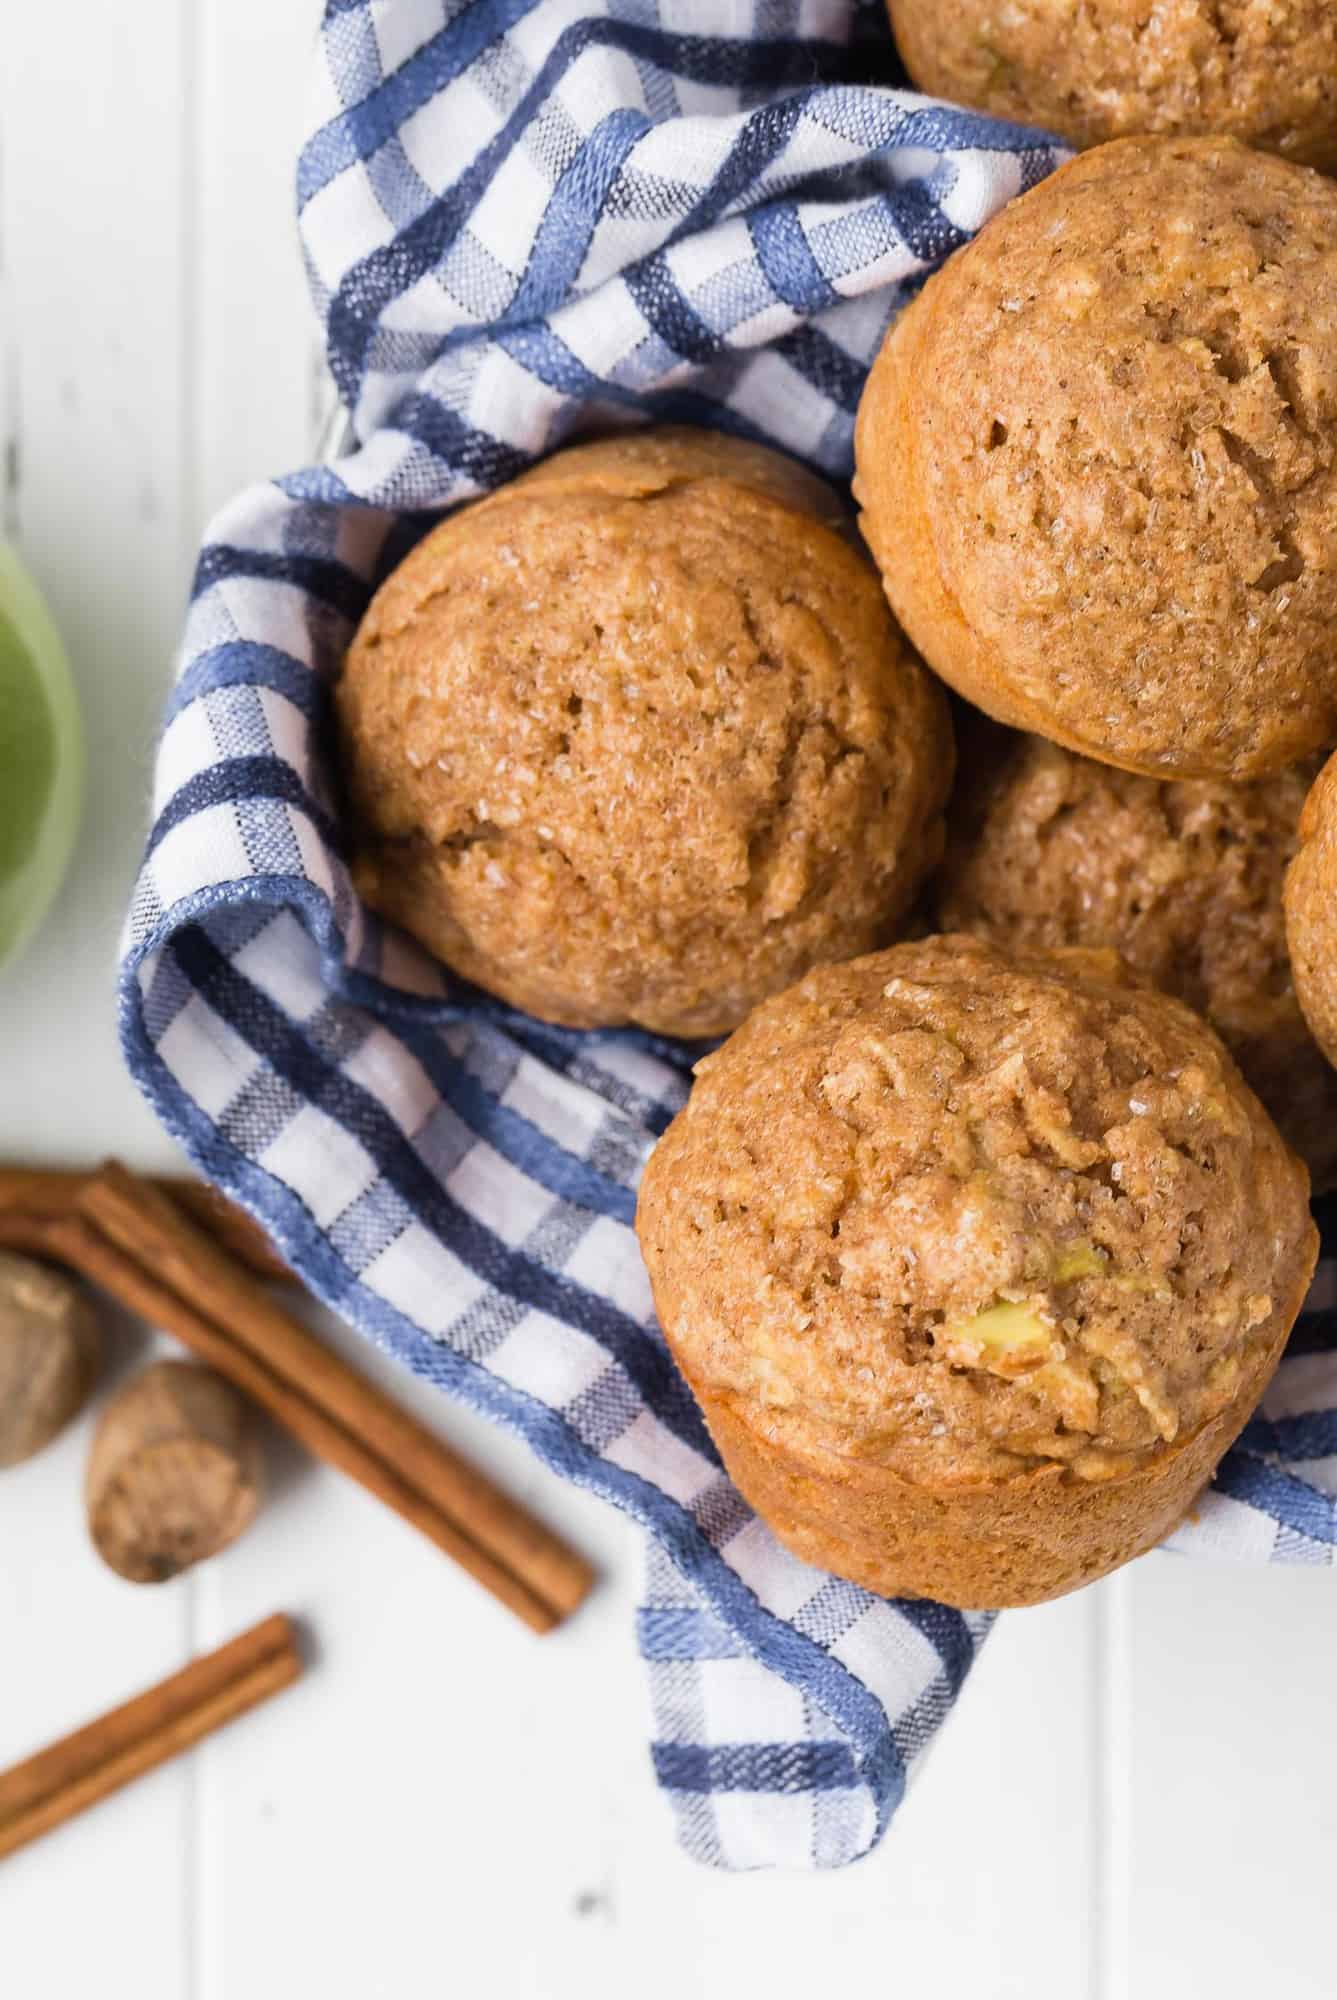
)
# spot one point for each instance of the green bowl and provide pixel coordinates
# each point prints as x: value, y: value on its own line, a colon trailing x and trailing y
x: 41, y: 757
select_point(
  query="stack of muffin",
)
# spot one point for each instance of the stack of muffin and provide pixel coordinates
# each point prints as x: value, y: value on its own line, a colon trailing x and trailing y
x: 980, y: 1236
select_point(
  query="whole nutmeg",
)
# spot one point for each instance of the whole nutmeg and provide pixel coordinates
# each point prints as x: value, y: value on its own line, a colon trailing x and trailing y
x: 174, y: 1474
x: 50, y: 1348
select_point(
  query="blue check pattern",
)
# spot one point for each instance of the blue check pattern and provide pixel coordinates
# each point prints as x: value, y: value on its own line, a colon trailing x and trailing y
x: 523, y: 218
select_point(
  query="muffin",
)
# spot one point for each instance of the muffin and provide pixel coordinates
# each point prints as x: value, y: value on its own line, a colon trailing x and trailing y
x: 1311, y: 910
x: 1264, y: 71
x: 1183, y: 878
x: 635, y: 740
x: 976, y: 1263
x: 1096, y: 461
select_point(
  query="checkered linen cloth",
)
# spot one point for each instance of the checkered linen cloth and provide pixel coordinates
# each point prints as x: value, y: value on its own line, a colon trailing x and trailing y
x: 521, y: 217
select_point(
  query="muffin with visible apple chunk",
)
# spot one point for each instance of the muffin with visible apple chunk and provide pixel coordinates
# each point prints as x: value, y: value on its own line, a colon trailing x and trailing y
x: 976, y: 1263
x: 1182, y: 877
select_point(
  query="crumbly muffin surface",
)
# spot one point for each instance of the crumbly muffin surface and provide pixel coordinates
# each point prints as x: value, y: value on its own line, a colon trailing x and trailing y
x: 1311, y: 910
x: 636, y: 740
x: 1097, y: 461
x: 964, y: 1215
x: 1183, y: 879
x: 1264, y: 71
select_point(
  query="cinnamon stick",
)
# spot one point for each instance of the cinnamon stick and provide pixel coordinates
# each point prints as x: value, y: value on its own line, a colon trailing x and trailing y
x: 54, y: 1191
x: 131, y: 1239
x: 141, y: 1249
x: 67, y: 1777
x: 226, y: 1224
x: 76, y: 1242
x: 28, y: 1233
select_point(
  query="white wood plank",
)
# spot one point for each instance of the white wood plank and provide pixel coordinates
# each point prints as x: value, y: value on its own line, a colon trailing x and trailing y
x: 1232, y: 1780
x: 94, y: 223
x: 110, y: 1888
x: 259, y: 354
x: 93, y: 220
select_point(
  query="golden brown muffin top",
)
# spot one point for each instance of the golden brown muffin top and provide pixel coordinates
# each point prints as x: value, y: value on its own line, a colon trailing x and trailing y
x: 1264, y: 71
x: 1124, y: 453
x: 636, y: 738
x: 1184, y: 879
x: 1311, y: 910
x: 962, y: 1214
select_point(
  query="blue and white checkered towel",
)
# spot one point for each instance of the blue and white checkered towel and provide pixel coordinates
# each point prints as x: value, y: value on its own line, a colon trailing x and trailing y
x: 520, y: 217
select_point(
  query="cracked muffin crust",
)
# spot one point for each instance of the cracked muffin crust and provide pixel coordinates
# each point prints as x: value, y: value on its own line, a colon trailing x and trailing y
x: 1264, y: 71
x: 1311, y: 910
x: 976, y: 1264
x: 1097, y: 461
x: 635, y: 739
x: 1184, y: 879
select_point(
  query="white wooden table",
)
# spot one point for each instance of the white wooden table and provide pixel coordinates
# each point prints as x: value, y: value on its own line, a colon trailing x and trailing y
x: 1138, y: 1794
